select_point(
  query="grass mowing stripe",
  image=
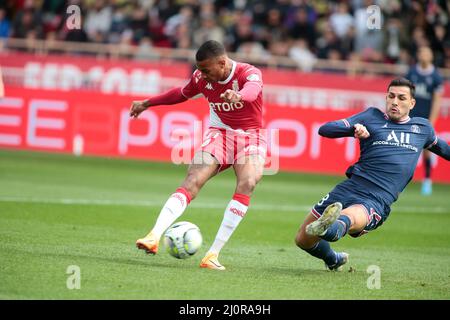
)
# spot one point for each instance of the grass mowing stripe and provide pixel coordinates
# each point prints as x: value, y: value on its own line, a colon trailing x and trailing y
x: 203, y: 205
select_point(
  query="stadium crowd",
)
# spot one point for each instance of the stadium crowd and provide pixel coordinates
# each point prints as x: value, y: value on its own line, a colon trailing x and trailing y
x: 303, y: 30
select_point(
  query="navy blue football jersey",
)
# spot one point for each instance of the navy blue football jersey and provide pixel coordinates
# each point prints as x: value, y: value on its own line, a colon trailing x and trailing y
x: 427, y: 83
x: 389, y: 156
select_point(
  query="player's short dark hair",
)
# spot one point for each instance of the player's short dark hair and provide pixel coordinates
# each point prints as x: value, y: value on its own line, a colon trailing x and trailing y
x: 209, y: 49
x: 403, y: 82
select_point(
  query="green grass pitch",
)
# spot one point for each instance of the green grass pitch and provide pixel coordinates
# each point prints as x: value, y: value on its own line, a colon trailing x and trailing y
x: 58, y: 211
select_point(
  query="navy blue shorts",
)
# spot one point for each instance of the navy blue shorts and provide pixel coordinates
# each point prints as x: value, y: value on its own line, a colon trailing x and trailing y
x: 357, y: 192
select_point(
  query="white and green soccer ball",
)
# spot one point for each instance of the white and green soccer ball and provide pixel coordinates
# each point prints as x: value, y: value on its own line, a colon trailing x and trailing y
x: 183, y: 239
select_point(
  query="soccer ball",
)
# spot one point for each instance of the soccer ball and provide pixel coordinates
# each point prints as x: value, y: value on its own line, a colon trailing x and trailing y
x: 183, y: 239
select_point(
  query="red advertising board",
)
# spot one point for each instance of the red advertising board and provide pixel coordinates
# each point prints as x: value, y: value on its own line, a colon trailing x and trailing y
x: 107, y: 76
x: 98, y: 124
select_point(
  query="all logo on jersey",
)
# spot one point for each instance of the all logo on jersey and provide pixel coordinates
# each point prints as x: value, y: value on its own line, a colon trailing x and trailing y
x: 404, y: 137
x: 415, y: 128
x: 209, y: 86
x: 385, y: 125
x: 422, y: 91
x: 398, y: 139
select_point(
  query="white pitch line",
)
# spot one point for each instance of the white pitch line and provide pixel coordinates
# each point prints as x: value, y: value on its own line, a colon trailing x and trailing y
x: 202, y: 205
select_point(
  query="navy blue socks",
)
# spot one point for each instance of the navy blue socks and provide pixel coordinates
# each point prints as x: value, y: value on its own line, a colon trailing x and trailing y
x: 322, y: 250
x: 338, y: 229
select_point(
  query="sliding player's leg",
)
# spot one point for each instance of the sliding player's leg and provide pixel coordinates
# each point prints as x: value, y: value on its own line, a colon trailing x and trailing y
x: 329, y: 222
x: 427, y: 184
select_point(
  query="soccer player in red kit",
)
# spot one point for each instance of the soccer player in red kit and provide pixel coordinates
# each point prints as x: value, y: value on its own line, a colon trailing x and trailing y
x: 234, y: 139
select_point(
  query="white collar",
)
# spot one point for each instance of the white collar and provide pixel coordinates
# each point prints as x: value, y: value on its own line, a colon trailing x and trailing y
x: 233, y: 69
x: 425, y: 72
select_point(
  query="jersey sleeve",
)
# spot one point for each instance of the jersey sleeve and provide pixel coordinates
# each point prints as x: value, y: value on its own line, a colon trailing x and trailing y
x: 191, y: 88
x: 252, y: 75
x: 437, y: 146
x: 431, y: 138
x: 345, y: 127
x: 251, y: 80
x: 361, y: 117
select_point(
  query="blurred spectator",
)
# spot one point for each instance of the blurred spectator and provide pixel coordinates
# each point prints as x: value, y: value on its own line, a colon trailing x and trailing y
x: 274, y: 24
x: 254, y: 50
x: 419, y: 39
x: 28, y: 22
x: 302, y: 28
x: 53, y: 11
x: 327, y: 42
x: 242, y: 31
x: 335, y: 61
x: 137, y: 21
x: 126, y: 46
x: 184, y: 16
x: 156, y: 30
x: 341, y: 21
x: 368, y: 41
x: 50, y: 42
x: 98, y: 21
x: 76, y: 35
x: 208, y: 30
x: 394, y: 39
x: 145, y: 50
x: 291, y: 12
x: 182, y: 38
x: 441, y: 35
x: 120, y: 22
x: 5, y: 25
x: 279, y: 48
x: 301, y: 54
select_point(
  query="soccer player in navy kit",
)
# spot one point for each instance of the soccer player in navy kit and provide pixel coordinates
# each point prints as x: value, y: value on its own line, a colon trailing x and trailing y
x: 390, y: 146
x: 429, y: 90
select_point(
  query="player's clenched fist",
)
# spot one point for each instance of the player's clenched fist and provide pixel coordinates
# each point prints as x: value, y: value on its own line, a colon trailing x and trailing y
x: 231, y: 96
x: 361, y: 131
x: 137, y: 107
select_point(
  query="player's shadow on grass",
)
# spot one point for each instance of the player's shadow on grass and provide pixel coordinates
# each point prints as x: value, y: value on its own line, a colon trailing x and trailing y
x: 308, y: 271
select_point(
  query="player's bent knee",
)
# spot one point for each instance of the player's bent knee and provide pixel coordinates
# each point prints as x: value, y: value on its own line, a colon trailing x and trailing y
x: 302, y: 241
x: 298, y: 240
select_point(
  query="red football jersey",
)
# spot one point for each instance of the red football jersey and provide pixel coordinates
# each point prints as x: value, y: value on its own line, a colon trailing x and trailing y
x: 240, y: 115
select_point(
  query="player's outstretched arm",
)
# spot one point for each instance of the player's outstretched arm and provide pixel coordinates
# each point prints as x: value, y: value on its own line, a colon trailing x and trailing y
x: 170, y: 97
x: 441, y: 148
x: 341, y: 128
